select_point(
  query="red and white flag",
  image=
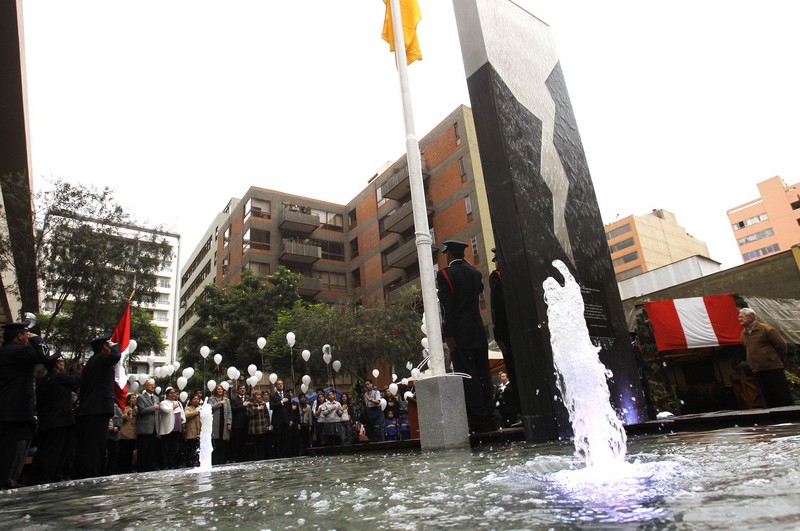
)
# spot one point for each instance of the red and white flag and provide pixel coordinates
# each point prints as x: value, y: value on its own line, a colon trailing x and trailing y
x: 695, y: 322
x: 122, y: 336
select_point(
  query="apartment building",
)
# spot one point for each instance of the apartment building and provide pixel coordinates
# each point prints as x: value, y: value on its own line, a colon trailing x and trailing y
x: 641, y: 243
x: 363, y: 251
x: 770, y: 223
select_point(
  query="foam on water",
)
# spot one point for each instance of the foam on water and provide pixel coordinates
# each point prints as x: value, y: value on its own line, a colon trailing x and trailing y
x: 599, y: 436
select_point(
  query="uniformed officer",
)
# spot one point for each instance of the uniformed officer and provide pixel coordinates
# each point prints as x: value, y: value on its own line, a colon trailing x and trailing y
x: 21, y: 351
x: 459, y: 286
x: 503, y: 339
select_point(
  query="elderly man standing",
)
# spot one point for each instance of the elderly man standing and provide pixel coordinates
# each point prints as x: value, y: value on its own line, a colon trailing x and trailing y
x: 96, y: 406
x: 21, y: 351
x: 766, y: 350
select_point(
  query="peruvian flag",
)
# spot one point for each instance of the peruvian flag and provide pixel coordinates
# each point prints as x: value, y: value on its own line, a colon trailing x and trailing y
x: 122, y: 336
x: 695, y: 322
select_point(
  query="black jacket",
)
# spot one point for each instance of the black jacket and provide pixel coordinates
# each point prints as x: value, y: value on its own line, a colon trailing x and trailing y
x: 16, y: 379
x: 97, y: 383
x: 459, y: 286
x: 54, y: 399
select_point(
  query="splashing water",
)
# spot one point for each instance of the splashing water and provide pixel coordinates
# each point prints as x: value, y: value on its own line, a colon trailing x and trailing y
x: 598, y: 434
x: 206, y: 426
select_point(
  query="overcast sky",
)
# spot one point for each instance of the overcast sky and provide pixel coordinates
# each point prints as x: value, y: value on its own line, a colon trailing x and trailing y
x: 180, y: 105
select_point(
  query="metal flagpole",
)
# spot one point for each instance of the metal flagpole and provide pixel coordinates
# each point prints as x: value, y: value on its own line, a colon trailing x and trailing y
x: 421, y: 228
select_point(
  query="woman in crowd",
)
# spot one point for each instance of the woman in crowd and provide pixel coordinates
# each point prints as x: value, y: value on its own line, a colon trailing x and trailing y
x: 306, y: 424
x: 331, y: 412
x: 346, y: 426
x: 221, y: 432
x: 191, y: 433
x: 319, y: 420
x: 127, y: 435
x: 259, y: 425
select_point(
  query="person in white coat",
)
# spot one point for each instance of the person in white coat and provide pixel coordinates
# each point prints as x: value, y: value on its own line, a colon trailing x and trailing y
x: 171, y: 419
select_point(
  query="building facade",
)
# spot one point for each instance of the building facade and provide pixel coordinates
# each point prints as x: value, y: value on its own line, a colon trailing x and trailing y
x: 641, y: 243
x: 363, y: 252
x: 770, y: 223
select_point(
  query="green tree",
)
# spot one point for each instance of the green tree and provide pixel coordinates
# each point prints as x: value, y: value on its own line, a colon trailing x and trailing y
x: 90, y: 258
x: 232, y: 318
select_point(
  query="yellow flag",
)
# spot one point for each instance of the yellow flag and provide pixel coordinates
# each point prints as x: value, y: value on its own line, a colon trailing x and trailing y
x: 409, y: 10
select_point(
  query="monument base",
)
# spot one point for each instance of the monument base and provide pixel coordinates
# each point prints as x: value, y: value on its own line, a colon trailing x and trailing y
x: 442, y: 413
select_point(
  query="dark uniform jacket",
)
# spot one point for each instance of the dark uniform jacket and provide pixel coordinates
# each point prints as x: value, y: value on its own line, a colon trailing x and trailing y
x: 97, y: 383
x: 459, y: 286
x: 281, y: 413
x: 16, y: 379
x: 54, y: 400
x: 239, y: 412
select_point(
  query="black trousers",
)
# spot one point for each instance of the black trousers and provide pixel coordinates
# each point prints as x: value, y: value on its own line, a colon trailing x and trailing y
x: 774, y: 388
x: 93, y: 436
x: 478, y: 392
x: 280, y: 439
x: 53, y: 453
x: 145, y: 452
x: 15, y: 441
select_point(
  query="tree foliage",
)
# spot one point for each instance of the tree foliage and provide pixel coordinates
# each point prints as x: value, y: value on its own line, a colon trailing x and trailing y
x: 90, y: 258
x: 232, y: 318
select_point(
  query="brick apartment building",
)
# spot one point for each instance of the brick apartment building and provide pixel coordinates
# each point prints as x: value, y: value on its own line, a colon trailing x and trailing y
x: 770, y: 223
x: 363, y: 251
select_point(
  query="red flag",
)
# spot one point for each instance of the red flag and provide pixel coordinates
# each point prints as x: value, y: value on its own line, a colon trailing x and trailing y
x: 122, y: 336
x: 695, y: 322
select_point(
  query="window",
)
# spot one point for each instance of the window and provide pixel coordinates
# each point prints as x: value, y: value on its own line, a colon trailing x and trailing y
x: 163, y: 283
x: 163, y: 299
x: 226, y: 262
x: 749, y: 221
x: 761, y: 252
x: 332, y: 281
x: 160, y: 316
x: 766, y: 233
x: 356, y: 274
x: 457, y: 134
x: 226, y: 237
x: 354, y: 248
x: 379, y: 197
x: 475, y: 254
x: 468, y: 207
x: 257, y: 208
x: 630, y: 257
x: 462, y: 168
x: 257, y: 239
x: 332, y: 250
x: 624, y: 244
x: 628, y: 273
x: 258, y: 268
x: 352, y: 218
x: 618, y: 231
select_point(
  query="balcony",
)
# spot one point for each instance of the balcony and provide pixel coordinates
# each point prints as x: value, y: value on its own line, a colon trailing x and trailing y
x: 402, y: 218
x: 398, y: 185
x: 404, y: 256
x: 294, y: 220
x: 300, y: 252
x: 395, y: 294
x: 309, y: 287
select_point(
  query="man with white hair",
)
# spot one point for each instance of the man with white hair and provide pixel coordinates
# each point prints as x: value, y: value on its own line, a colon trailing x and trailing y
x: 146, y: 428
x: 766, y: 350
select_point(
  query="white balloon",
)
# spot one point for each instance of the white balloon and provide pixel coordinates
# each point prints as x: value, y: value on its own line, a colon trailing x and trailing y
x: 383, y: 404
x: 211, y: 385
x: 424, y: 329
x: 188, y: 372
x: 205, y: 351
x: 217, y: 358
x: 158, y: 390
x: 131, y: 378
x: 415, y: 373
x: 170, y: 369
x: 151, y: 359
x: 423, y: 317
x: 143, y: 378
x: 157, y: 372
x: 404, y: 381
x: 408, y: 395
x: 375, y: 373
x: 251, y: 381
x: 337, y: 365
x: 303, y: 387
x: 326, y: 349
x: 134, y: 387
x: 394, y: 377
x: 181, y: 383
x: 290, y: 338
x: 184, y: 395
x: 251, y: 369
x: 176, y: 364
x: 273, y: 378
x: 258, y: 376
x: 409, y: 365
x: 225, y: 385
x: 424, y: 342
x: 261, y: 342
x: 306, y: 355
x: 232, y: 373
x: 327, y: 357
x: 393, y: 388
x: 132, y: 344
x: 306, y: 379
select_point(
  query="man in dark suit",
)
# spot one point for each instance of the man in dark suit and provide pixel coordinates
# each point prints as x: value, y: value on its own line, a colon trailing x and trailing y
x: 146, y: 420
x: 240, y: 424
x: 56, y: 422
x: 96, y: 406
x: 281, y: 419
x: 459, y: 286
x: 21, y: 351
